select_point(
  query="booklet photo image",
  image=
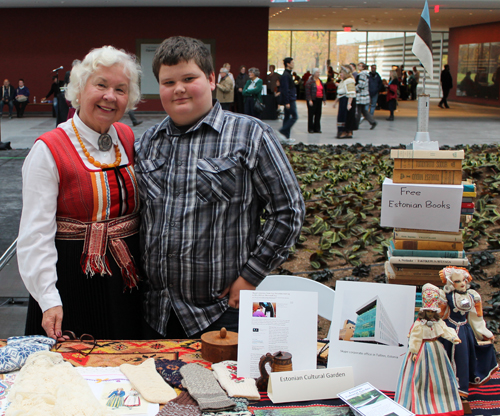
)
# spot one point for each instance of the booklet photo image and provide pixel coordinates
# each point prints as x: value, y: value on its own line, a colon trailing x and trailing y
x: 371, y: 325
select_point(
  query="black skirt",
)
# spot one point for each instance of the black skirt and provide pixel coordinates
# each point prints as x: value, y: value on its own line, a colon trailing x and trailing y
x: 100, y: 305
x: 346, y: 120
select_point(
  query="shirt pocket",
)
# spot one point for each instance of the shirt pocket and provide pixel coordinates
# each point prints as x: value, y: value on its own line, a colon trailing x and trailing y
x: 152, y: 175
x: 216, y: 179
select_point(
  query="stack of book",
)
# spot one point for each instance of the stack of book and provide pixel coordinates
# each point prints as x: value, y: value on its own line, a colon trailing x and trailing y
x: 415, y: 257
x: 468, y: 201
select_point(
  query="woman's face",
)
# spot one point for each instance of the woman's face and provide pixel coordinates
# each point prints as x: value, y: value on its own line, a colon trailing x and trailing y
x: 316, y: 75
x: 251, y: 75
x: 243, y: 69
x: 342, y: 75
x: 459, y: 282
x: 104, y: 99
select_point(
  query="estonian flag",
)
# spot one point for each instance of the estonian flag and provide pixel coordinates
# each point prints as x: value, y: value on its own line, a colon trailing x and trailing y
x: 422, y: 45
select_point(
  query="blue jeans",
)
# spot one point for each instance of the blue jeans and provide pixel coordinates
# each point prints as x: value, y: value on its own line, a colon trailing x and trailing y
x: 289, y: 120
x: 10, y: 104
x: 373, y: 103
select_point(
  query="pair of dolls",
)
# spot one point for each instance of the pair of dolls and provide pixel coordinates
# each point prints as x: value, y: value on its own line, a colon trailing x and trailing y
x: 444, y: 355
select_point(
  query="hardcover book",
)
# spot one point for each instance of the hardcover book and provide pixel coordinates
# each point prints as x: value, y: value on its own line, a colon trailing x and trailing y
x: 433, y: 261
x: 426, y: 253
x: 443, y: 177
x: 427, y: 154
x: 427, y: 245
x: 428, y: 164
x: 427, y: 235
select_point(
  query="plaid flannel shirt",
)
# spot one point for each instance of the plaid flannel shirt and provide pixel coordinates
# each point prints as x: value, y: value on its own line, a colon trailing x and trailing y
x: 362, y: 89
x: 203, y: 195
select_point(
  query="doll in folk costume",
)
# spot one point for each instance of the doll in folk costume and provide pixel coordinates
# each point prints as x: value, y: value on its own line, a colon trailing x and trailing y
x: 427, y: 383
x: 462, y: 310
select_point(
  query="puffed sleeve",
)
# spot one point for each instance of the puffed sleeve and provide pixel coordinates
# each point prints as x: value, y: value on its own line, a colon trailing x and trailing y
x: 416, y: 336
x: 447, y: 333
x: 476, y: 320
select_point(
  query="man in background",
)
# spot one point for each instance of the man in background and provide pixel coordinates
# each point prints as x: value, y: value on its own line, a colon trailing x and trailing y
x: 374, y: 86
x: 8, y: 95
x: 289, y: 100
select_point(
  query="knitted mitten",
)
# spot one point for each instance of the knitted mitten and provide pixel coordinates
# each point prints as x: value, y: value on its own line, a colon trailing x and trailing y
x: 148, y: 382
x: 182, y: 405
x: 241, y: 409
x: 169, y: 370
x: 18, y: 349
x: 226, y: 373
x: 204, y: 388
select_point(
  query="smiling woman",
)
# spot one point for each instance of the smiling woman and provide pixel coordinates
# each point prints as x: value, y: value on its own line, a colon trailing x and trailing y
x: 78, y: 236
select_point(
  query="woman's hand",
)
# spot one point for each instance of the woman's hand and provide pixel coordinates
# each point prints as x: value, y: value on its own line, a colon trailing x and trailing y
x: 349, y: 106
x: 413, y: 357
x: 311, y: 103
x: 52, y: 321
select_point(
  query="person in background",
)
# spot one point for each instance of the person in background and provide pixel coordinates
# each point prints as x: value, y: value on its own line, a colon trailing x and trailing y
x: 316, y: 98
x: 392, y: 94
x: 306, y: 77
x: 416, y: 74
x: 228, y: 67
x: 363, y: 96
x: 346, y: 100
x: 54, y: 89
x: 225, y: 89
x: 446, y: 85
x: 411, y: 85
x: 79, y: 233
x: 239, y: 83
x: 272, y: 79
x: 252, y: 92
x: 374, y: 86
x: 22, y: 98
x: 133, y: 118
x: 206, y: 178
x: 8, y: 95
x: 354, y: 71
x: 289, y: 100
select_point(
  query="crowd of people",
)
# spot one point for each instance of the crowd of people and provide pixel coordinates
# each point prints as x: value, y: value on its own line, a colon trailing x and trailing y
x: 14, y: 97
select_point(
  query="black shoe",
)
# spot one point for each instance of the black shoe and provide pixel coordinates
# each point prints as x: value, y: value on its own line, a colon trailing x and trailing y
x: 390, y: 119
x: 310, y: 131
x: 318, y: 131
x: 373, y: 125
x: 137, y: 123
x: 440, y: 105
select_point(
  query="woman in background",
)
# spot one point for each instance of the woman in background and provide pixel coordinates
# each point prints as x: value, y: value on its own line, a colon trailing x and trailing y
x: 392, y: 94
x: 346, y: 99
x: 315, y: 97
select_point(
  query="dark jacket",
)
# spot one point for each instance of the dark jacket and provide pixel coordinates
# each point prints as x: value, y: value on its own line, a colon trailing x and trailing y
x: 446, y: 79
x: 11, y: 92
x: 374, y: 83
x: 311, y: 89
x: 240, y: 81
x: 54, y: 89
x: 25, y: 91
x: 287, y: 88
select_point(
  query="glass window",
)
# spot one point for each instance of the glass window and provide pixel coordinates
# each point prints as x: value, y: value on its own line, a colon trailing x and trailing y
x: 279, y: 48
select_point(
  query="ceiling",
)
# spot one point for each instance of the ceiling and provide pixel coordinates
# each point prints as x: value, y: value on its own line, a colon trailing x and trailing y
x: 321, y: 14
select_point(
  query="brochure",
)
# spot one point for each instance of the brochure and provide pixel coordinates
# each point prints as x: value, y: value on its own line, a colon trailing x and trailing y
x: 366, y: 400
x: 370, y: 330
x: 277, y: 321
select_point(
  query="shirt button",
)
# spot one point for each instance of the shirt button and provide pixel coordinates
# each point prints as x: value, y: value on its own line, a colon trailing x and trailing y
x: 216, y: 168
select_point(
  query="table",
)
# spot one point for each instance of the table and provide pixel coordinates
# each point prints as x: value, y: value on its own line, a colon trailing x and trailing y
x: 484, y: 400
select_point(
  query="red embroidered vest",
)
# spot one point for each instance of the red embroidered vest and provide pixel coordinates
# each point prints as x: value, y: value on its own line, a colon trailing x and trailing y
x: 91, y: 196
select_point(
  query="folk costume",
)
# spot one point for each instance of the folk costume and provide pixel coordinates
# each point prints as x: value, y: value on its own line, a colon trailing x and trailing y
x: 427, y: 385
x: 473, y: 363
x: 346, y: 119
x: 87, y: 226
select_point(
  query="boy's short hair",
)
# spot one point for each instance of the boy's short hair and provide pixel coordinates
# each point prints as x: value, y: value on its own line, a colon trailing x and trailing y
x: 286, y: 61
x: 182, y: 49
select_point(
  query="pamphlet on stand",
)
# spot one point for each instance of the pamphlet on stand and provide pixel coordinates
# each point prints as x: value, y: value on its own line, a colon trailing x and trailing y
x: 366, y: 400
x: 370, y: 330
x: 277, y: 321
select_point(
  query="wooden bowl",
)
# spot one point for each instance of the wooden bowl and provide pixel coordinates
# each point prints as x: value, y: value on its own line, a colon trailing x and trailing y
x: 217, y: 346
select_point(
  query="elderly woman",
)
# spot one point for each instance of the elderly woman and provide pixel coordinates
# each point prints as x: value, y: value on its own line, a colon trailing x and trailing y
x: 392, y: 94
x: 252, y: 91
x: 315, y: 97
x: 79, y: 226
x: 346, y: 99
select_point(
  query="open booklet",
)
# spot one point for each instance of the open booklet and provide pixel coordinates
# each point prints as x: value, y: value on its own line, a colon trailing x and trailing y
x: 366, y: 400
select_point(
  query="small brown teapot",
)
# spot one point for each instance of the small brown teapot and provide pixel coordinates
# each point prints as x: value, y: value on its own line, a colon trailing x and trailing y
x: 279, y: 361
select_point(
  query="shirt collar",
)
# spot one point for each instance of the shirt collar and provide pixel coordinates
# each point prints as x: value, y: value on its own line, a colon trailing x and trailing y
x: 214, y: 119
x: 90, y: 136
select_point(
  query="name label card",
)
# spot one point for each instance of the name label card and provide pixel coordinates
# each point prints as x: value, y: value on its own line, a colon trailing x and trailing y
x: 305, y: 385
x: 423, y: 207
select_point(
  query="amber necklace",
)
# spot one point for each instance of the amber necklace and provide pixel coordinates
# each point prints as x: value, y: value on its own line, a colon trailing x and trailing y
x: 96, y: 163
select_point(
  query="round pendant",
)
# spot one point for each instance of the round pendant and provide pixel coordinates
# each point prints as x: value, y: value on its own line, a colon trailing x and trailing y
x: 104, y: 142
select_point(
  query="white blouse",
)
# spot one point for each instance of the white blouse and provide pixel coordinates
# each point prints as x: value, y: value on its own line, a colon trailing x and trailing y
x: 36, y: 250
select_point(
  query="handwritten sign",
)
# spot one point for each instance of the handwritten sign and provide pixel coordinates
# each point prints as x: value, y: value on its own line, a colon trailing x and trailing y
x: 423, y: 207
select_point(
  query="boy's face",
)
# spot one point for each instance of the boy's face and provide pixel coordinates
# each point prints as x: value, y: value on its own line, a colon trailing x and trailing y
x: 185, y: 92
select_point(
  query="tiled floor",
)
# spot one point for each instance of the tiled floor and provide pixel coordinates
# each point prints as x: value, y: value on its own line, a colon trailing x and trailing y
x: 462, y: 124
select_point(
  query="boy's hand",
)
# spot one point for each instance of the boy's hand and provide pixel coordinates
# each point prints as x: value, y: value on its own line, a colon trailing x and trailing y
x: 234, y: 291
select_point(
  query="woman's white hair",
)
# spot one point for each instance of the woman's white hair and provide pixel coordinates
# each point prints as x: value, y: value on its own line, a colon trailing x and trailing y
x: 106, y: 56
x: 315, y: 70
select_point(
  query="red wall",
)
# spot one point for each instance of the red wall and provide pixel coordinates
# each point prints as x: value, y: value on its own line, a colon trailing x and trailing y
x: 53, y: 37
x: 488, y: 32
